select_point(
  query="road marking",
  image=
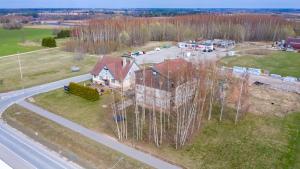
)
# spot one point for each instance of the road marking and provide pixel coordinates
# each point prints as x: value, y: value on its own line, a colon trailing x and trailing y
x: 32, y: 148
x: 20, y: 158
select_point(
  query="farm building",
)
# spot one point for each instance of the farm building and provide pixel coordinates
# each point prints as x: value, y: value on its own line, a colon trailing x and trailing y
x: 293, y: 43
x: 162, y: 85
x: 113, y: 71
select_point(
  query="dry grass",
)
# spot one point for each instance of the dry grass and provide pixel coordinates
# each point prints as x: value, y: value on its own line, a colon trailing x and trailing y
x: 266, y: 101
x: 46, y: 66
x: 40, y: 67
x: 75, y: 147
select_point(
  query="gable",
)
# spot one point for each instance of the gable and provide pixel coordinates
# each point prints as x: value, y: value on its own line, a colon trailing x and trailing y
x: 105, y: 73
x: 131, y: 71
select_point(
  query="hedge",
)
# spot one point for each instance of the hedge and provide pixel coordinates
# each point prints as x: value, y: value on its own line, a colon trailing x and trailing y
x: 84, y: 92
x: 63, y: 34
x: 49, y: 42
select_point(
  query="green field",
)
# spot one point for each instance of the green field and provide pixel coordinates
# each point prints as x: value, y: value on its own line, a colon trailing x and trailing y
x: 282, y: 63
x: 19, y: 41
x: 256, y: 142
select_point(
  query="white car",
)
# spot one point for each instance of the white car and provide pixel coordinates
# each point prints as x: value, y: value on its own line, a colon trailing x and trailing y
x: 157, y: 49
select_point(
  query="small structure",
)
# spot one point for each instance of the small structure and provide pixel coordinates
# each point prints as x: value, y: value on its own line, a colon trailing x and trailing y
x: 159, y: 85
x: 115, y: 72
x: 290, y: 79
x: 293, y: 43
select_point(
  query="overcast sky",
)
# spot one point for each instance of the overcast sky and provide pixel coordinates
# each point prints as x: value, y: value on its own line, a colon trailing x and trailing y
x: 149, y: 3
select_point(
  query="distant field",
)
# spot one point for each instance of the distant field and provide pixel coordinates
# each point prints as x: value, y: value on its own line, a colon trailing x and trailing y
x: 256, y: 142
x: 24, y: 40
x: 282, y: 63
x: 41, y: 67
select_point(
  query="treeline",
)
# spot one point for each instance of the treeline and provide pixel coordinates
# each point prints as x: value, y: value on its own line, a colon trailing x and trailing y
x: 106, y: 35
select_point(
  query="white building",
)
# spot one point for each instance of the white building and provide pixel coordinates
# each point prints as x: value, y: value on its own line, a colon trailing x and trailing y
x: 115, y: 71
x: 157, y: 86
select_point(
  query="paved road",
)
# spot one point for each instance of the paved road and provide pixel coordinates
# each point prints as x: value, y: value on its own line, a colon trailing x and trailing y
x: 100, y: 138
x: 21, y: 154
x: 7, y: 99
x: 33, y: 156
x: 175, y: 52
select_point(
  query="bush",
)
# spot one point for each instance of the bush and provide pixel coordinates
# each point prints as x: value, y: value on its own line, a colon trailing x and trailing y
x: 84, y: 92
x: 63, y: 34
x: 49, y: 42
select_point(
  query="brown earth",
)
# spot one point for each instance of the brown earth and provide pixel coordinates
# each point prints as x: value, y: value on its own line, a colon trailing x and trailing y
x: 266, y: 101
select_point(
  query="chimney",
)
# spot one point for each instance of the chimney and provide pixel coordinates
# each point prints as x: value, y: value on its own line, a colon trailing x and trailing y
x: 124, y: 62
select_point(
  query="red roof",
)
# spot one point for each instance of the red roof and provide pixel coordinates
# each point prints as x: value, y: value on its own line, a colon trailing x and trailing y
x: 172, y: 67
x: 163, y: 75
x: 114, y: 65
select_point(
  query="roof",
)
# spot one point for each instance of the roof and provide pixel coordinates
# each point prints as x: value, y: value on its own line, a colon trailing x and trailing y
x: 164, y: 75
x: 114, y: 65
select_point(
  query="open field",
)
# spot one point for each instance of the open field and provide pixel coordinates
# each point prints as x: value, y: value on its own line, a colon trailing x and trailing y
x: 258, y: 141
x: 49, y: 65
x: 40, y: 67
x: 68, y: 143
x: 24, y: 40
x: 282, y: 63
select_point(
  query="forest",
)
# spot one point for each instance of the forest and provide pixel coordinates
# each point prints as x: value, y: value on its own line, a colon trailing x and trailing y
x: 109, y: 34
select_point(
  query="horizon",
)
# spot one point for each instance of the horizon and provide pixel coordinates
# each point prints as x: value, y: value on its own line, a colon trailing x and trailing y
x: 119, y: 4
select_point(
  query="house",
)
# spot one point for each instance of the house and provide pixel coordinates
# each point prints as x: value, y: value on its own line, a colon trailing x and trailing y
x: 293, y: 43
x: 164, y: 85
x: 115, y: 71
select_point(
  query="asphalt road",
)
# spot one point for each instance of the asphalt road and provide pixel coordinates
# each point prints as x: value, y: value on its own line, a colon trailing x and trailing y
x: 175, y: 52
x: 22, y: 152
x: 42, y: 160
x: 9, y: 98
x: 100, y: 138
x: 33, y: 155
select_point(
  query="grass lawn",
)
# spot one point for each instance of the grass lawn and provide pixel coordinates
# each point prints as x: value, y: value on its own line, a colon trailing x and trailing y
x: 256, y: 142
x: 72, y: 145
x: 94, y: 115
x: 24, y: 40
x: 282, y: 63
x: 41, y: 67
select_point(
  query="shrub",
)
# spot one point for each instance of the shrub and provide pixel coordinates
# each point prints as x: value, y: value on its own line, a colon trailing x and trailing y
x: 49, y: 42
x: 84, y: 92
x: 63, y: 34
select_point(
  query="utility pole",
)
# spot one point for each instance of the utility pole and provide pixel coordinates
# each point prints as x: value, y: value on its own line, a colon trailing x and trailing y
x: 20, y: 69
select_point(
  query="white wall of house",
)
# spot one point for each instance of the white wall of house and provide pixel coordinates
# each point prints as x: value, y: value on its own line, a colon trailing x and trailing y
x: 151, y: 96
x: 105, y: 74
x: 162, y: 98
x: 184, y: 92
x: 130, y: 77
